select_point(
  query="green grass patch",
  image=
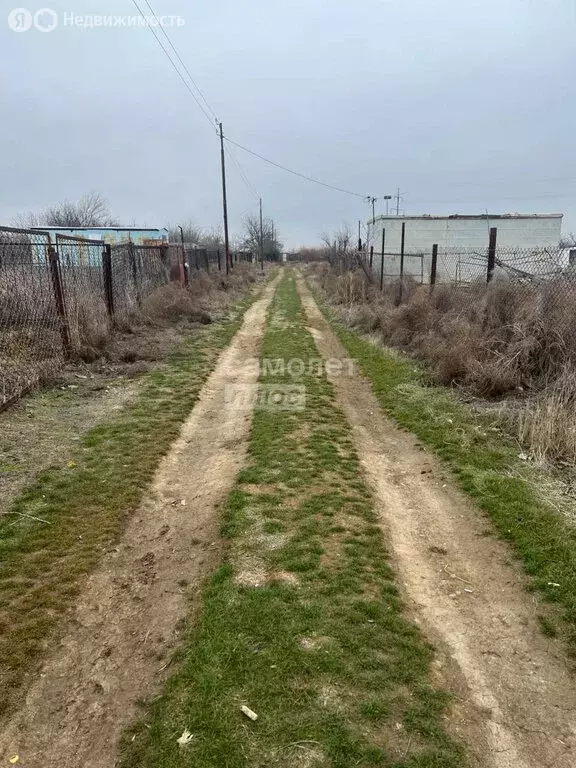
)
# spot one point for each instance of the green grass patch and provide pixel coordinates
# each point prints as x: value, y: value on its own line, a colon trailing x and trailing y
x: 302, y: 623
x: 484, y: 460
x: 84, y: 503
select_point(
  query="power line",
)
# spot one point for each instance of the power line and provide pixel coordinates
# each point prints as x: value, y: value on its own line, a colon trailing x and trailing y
x: 294, y: 173
x: 196, y: 86
x: 185, y: 68
x: 243, y: 176
x: 211, y: 117
x: 171, y: 60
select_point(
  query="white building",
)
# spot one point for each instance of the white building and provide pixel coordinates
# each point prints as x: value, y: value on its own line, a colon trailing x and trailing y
x: 524, y: 240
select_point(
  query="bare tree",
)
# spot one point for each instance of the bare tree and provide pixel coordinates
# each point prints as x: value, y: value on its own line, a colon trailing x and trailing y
x: 210, y: 237
x: 310, y: 253
x: 338, y: 247
x: 192, y: 233
x: 568, y: 240
x: 91, y: 210
x: 271, y: 245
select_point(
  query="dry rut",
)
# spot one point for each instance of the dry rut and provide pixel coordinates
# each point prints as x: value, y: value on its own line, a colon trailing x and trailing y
x: 116, y: 646
x: 515, y: 699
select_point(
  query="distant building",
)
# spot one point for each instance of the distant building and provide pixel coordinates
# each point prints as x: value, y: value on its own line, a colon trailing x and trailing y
x: 526, y: 239
x: 72, y: 252
x: 112, y: 235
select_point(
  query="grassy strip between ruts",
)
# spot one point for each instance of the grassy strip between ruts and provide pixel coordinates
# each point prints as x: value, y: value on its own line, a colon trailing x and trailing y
x: 485, y: 461
x: 302, y: 623
x: 85, y: 503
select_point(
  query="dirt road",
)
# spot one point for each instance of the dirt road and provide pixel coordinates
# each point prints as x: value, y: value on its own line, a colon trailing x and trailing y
x: 514, y: 697
x: 117, y: 644
x: 516, y: 700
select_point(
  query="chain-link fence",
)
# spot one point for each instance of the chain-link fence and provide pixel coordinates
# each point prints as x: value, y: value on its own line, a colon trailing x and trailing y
x: 397, y: 271
x: 31, y: 342
x: 63, y: 296
x: 136, y: 271
x: 197, y: 258
x: 60, y: 297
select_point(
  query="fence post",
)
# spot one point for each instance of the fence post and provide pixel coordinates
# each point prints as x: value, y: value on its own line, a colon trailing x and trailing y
x: 382, y: 260
x: 206, y: 260
x: 371, y: 257
x: 134, y: 267
x: 491, y: 254
x: 403, y: 239
x: 433, y: 265
x: 107, y: 276
x: 184, y: 267
x: 219, y: 261
x: 165, y: 259
x: 56, y: 275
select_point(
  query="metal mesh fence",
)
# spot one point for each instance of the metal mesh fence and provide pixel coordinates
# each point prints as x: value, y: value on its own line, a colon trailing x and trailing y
x: 152, y: 268
x: 80, y: 266
x: 468, y: 267
x: 210, y: 259
x: 62, y: 296
x: 31, y: 345
x: 139, y: 270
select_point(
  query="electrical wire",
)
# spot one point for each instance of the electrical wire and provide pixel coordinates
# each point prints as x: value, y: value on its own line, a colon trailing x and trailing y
x: 295, y: 173
x: 184, y: 67
x: 241, y: 172
x: 212, y: 116
x: 170, y: 59
x: 196, y: 86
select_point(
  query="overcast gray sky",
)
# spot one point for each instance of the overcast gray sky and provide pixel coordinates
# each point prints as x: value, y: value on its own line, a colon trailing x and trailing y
x: 466, y: 105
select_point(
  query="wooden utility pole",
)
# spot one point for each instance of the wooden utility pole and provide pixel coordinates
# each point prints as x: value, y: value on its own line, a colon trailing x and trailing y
x: 261, y: 237
x: 224, y: 202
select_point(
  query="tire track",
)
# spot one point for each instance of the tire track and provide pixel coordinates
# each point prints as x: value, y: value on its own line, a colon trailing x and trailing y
x: 515, y: 698
x: 116, y: 646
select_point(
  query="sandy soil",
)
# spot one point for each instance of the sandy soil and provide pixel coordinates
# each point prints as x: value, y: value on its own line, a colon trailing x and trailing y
x: 515, y: 700
x: 117, y: 643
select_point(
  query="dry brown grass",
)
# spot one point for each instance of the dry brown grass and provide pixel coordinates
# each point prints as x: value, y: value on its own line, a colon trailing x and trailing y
x: 174, y: 302
x: 548, y: 422
x: 204, y: 294
x: 30, y: 338
x: 496, y: 340
x: 90, y: 326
